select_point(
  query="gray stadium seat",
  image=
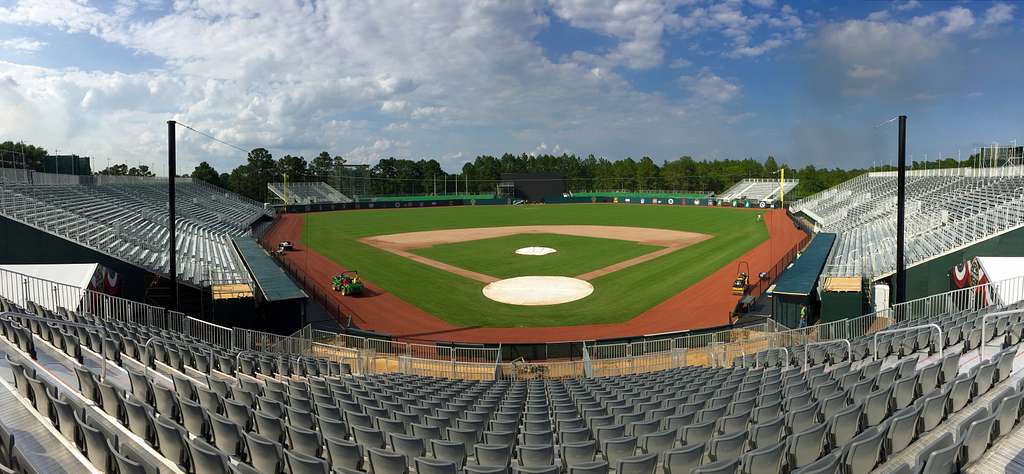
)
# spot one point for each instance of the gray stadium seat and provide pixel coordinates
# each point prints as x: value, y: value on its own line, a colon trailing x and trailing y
x: 301, y: 464
x: 864, y: 451
x: 933, y: 408
x: 806, y: 446
x: 727, y: 446
x: 344, y: 453
x: 728, y: 466
x: 876, y: 406
x: 829, y: 464
x: 448, y: 451
x: 658, y: 442
x: 227, y: 435
x: 976, y: 434
x: 206, y: 459
x: 434, y: 466
x: 264, y: 454
x: 171, y: 440
x: 802, y: 417
x: 902, y: 430
x: 684, y: 459
x: 1007, y: 411
x: 493, y: 454
x: 410, y: 446
x: 939, y: 457
x: 387, y: 462
x: 960, y: 393
x: 577, y: 452
x: 536, y: 455
x: 768, y: 432
x: 844, y: 425
x: 642, y: 464
x: 766, y: 460
x: 592, y: 467
x: 697, y: 433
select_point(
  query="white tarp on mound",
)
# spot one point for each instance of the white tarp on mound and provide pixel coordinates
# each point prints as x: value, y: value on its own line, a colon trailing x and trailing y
x: 998, y: 269
x: 47, y: 285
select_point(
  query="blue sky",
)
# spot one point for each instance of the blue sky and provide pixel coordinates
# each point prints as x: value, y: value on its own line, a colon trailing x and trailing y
x: 806, y: 82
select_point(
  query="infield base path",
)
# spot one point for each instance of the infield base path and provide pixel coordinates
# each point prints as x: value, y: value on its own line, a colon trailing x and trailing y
x: 705, y: 304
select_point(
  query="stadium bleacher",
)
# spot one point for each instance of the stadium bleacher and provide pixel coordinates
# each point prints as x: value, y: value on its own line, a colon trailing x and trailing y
x: 766, y: 190
x: 126, y: 217
x: 112, y: 393
x: 307, y: 193
x: 946, y: 210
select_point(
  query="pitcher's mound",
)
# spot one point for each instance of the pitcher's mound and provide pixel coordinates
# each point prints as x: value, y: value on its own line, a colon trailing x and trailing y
x: 538, y: 290
x: 535, y: 250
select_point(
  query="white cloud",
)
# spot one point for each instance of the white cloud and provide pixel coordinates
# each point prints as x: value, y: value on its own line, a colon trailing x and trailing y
x: 908, y: 5
x: 706, y: 86
x: 375, y: 79
x: 680, y: 63
x: 881, y: 55
x: 392, y: 106
x: 860, y: 71
x: 423, y: 112
x: 22, y: 44
x: 998, y: 14
x: 762, y: 3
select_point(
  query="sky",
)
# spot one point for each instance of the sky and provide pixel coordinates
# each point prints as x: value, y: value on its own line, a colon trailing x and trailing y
x: 809, y: 82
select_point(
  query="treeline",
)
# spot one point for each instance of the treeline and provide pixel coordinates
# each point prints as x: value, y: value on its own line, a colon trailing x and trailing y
x: 397, y: 176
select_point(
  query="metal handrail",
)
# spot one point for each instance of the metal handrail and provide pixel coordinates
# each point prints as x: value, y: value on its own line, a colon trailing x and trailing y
x: 849, y: 348
x: 10, y: 314
x: 984, y: 319
x: 874, y: 352
x: 145, y: 347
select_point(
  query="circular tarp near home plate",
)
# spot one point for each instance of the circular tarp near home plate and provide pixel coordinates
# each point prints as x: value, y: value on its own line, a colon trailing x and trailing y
x: 538, y: 290
x: 535, y: 251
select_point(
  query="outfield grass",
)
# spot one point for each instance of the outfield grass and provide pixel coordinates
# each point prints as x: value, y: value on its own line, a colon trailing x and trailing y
x: 575, y: 255
x: 618, y: 296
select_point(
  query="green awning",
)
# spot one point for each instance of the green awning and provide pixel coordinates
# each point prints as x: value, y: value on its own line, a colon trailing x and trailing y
x: 800, y: 278
x: 271, y: 279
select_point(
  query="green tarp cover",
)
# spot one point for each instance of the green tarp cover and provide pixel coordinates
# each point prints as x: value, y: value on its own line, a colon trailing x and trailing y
x: 800, y: 278
x: 270, y: 278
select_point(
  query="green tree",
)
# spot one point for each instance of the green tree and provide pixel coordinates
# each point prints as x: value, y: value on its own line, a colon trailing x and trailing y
x: 22, y: 155
x: 206, y: 173
x: 142, y: 171
x: 114, y: 170
x: 294, y: 167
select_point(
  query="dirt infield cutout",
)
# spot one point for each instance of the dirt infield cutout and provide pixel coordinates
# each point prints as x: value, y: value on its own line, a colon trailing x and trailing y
x: 401, y: 244
x: 538, y: 290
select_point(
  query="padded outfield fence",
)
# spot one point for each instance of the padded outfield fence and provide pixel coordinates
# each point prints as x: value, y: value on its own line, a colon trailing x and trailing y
x: 371, y: 355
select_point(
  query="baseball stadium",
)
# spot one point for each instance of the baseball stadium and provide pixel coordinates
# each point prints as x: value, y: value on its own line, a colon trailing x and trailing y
x: 483, y: 279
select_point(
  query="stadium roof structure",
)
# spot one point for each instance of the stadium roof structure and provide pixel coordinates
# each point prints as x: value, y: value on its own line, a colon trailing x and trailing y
x: 800, y: 278
x: 272, y: 281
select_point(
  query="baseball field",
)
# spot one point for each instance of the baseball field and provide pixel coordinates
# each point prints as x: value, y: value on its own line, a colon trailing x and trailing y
x: 440, y: 259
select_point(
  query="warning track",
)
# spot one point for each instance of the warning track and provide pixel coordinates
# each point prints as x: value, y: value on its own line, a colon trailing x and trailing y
x: 705, y: 304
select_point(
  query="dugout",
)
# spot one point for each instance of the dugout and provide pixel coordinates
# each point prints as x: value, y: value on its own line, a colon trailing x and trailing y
x: 280, y: 303
x: 532, y: 187
x: 796, y: 286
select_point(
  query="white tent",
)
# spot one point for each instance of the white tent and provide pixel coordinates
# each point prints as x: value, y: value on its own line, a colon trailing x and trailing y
x: 48, y: 285
x: 999, y: 269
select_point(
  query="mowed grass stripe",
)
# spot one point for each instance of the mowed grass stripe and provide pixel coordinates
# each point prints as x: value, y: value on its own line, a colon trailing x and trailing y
x: 575, y: 255
x: 617, y: 297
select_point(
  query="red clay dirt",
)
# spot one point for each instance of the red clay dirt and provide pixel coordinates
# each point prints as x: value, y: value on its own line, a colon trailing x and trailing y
x: 706, y: 304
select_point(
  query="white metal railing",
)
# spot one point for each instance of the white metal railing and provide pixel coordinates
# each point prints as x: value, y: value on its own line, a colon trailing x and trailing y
x: 373, y: 355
